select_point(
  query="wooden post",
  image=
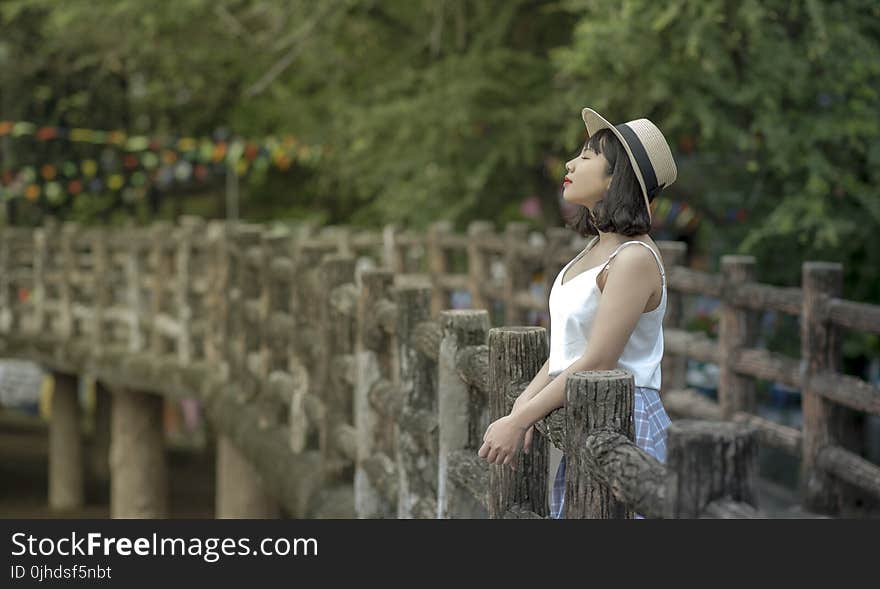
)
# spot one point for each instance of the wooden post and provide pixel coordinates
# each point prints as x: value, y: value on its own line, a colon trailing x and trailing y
x: 53, y: 283
x: 242, y: 307
x: 239, y: 491
x: 277, y: 276
x: 186, y: 234
x: 38, y: 294
x: 820, y: 352
x: 310, y: 299
x: 392, y: 252
x: 416, y: 434
x: 101, y: 299
x: 594, y: 400
x: 66, y: 485
x: 673, y: 367
x: 737, y: 329
x: 462, y: 410
x: 709, y: 461
x: 515, y: 234
x: 67, y: 267
x: 339, y: 239
x: 252, y: 289
x: 244, y: 320
x: 234, y: 346
x: 139, y: 478
x: 159, y: 235
x: 374, y: 471
x: 516, y: 354
x: 339, y: 341
x: 217, y: 300
x: 134, y: 265
x: 437, y: 265
x: 478, y: 264
x: 18, y: 280
x: 414, y: 251
x: 274, y: 328
x: 202, y: 280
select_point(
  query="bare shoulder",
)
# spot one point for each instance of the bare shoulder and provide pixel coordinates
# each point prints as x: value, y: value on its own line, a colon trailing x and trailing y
x: 638, y: 255
x: 633, y: 263
x: 636, y: 258
x: 646, y: 239
x: 654, y: 247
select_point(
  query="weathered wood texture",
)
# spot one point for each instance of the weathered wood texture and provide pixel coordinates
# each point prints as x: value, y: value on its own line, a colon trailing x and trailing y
x: 287, y: 477
x: 599, y: 400
x: 632, y: 475
x: 417, y: 424
x: 339, y: 341
x: 515, y: 235
x: 710, y: 461
x: 689, y: 403
x: 287, y: 331
x: 375, y: 478
x: 438, y: 265
x: 673, y: 366
x: 825, y: 423
x: 463, y: 417
x: 516, y: 354
x: 737, y: 329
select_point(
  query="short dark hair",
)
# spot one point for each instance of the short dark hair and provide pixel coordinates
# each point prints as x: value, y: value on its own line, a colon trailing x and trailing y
x: 622, y: 209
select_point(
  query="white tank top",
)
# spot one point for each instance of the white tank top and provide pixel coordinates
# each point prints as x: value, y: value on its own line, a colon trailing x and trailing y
x: 572, y: 308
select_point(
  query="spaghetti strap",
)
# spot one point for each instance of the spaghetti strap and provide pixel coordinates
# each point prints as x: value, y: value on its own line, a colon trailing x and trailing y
x: 650, y: 249
x: 582, y: 253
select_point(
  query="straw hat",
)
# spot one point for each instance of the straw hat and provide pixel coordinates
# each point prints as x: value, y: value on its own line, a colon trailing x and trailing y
x: 648, y: 151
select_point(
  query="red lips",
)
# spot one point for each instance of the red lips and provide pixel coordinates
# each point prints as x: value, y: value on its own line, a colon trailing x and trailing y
x: 566, y: 180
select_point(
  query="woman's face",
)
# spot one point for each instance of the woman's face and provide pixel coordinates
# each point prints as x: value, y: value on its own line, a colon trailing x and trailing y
x: 589, y: 178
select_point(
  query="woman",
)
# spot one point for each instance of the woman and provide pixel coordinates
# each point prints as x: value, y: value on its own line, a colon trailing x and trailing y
x: 603, y: 318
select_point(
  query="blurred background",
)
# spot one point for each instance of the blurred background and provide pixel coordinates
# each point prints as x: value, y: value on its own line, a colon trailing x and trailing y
x: 364, y: 113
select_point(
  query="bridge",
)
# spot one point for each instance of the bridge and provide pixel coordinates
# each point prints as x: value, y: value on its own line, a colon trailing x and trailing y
x: 341, y: 383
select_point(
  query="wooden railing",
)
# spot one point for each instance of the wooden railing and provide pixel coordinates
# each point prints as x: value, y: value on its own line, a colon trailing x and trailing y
x: 339, y: 383
x: 832, y: 474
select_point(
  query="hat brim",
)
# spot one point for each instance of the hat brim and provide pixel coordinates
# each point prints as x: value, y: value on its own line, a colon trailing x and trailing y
x: 594, y: 121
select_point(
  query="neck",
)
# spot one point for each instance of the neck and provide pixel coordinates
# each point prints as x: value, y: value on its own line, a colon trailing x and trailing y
x: 606, y: 237
x: 611, y: 238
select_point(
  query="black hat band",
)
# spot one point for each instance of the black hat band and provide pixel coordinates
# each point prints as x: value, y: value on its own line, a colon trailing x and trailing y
x: 641, y: 156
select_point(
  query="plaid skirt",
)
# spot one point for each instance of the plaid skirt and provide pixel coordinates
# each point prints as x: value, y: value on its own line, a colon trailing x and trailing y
x: 651, y: 422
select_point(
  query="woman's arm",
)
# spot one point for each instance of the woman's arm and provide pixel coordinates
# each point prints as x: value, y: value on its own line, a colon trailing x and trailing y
x: 551, y: 396
x: 620, y: 307
x: 539, y: 381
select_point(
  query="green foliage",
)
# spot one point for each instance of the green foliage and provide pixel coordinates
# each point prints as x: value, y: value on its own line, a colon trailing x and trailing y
x: 461, y: 108
x: 772, y: 105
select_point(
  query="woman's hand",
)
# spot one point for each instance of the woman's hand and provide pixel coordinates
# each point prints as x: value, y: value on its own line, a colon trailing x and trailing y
x: 502, y: 440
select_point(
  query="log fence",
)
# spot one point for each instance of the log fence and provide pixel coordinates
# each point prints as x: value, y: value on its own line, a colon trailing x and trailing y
x: 340, y: 383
